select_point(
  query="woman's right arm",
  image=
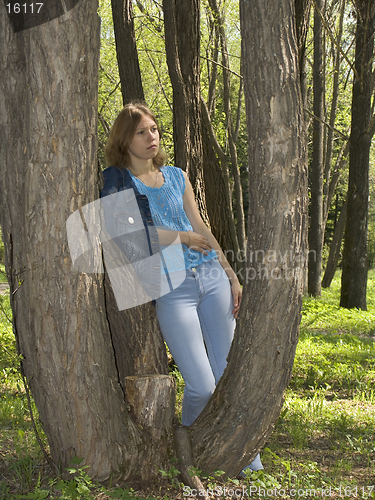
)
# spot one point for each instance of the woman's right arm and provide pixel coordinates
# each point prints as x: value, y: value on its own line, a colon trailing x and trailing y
x: 191, y: 239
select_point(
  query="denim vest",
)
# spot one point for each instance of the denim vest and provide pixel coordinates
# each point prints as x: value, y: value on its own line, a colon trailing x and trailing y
x: 128, y: 222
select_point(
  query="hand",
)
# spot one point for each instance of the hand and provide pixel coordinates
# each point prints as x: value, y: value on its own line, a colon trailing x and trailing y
x: 236, y: 294
x: 198, y: 242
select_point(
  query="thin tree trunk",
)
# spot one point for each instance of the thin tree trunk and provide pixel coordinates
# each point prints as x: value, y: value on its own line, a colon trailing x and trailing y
x: 334, y: 251
x: 126, y: 49
x: 302, y: 25
x: 182, y: 44
x: 316, y: 173
x: 354, y: 270
x: 332, y: 119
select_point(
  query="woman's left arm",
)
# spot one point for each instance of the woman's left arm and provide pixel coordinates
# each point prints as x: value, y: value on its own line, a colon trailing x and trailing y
x: 200, y: 227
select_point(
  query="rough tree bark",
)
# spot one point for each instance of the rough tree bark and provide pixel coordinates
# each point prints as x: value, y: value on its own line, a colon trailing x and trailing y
x: 126, y: 50
x: 354, y: 267
x: 316, y: 170
x: 235, y: 424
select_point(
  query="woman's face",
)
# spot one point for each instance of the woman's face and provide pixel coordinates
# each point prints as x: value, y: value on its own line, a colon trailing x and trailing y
x: 145, y: 143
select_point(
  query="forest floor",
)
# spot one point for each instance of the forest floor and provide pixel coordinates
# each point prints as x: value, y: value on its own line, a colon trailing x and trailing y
x: 323, y: 444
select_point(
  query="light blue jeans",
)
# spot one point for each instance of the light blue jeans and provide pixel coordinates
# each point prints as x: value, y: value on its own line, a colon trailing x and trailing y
x: 197, y: 324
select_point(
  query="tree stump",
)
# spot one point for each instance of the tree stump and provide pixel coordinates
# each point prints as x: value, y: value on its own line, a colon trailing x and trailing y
x: 152, y: 401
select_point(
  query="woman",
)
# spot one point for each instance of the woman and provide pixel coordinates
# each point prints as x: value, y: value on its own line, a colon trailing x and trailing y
x: 197, y: 319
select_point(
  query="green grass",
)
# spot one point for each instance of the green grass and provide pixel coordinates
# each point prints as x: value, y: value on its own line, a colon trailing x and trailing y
x: 325, y: 434
x: 324, y: 439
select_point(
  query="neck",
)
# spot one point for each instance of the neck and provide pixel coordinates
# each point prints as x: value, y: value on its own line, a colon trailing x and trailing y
x: 141, y: 167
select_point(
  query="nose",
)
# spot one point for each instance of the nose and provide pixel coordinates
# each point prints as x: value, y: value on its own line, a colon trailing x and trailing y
x: 152, y: 134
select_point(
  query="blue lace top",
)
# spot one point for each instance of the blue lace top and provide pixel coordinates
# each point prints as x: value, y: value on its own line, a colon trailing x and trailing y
x: 166, y: 205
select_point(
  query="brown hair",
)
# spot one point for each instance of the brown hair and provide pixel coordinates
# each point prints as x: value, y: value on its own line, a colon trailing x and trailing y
x: 122, y: 133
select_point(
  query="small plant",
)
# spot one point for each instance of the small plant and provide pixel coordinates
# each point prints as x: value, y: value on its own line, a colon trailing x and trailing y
x: 126, y: 494
x: 79, y: 487
x: 171, y: 474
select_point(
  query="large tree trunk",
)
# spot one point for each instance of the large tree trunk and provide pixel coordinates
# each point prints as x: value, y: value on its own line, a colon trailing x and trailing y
x: 126, y: 49
x: 354, y: 268
x: 239, y: 417
x: 48, y: 145
x: 316, y: 173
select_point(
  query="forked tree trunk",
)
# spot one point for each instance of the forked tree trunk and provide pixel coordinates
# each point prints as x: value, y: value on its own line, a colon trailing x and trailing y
x: 48, y: 145
x: 239, y: 417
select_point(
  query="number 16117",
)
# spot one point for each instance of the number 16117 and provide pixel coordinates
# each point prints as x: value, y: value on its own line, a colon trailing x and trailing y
x: 25, y: 8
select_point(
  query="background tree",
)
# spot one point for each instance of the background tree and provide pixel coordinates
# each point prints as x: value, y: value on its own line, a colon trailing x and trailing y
x: 126, y: 48
x: 354, y: 271
x: 182, y: 45
x: 302, y: 8
x: 316, y: 168
x: 222, y: 164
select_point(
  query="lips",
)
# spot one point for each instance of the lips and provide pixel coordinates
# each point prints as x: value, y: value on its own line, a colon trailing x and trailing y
x: 153, y: 146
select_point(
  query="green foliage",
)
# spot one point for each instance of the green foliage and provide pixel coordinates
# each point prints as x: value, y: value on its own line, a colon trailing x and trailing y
x: 9, y: 360
x: 80, y: 486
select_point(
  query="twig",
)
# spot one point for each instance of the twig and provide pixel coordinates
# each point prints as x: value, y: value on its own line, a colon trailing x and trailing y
x: 328, y: 30
x: 43, y: 450
x: 326, y: 124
